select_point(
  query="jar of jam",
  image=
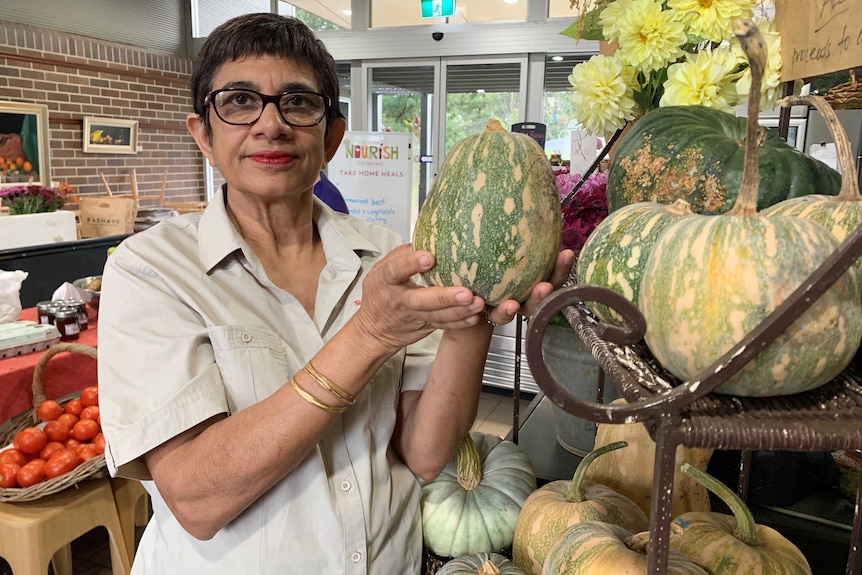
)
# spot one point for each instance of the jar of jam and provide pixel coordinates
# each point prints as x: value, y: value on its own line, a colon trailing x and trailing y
x: 42, y: 311
x: 79, y: 305
x: 66, y: 320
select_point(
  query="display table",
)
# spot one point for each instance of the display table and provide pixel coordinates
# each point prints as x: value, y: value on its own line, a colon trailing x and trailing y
x: 65, y: 373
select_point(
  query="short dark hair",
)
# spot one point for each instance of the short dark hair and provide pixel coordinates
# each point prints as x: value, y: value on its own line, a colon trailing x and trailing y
x: 263, y: 34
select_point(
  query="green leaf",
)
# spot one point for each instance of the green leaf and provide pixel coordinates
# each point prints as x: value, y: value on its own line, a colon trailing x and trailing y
x: 586, y: 28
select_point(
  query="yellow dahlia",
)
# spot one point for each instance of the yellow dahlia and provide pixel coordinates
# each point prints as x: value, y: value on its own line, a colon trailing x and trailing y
x: 712, y: 19
x: 649, y: 37
x: 704, y: 79
x: 610, y: 16
x: 602, y: 94
x: 772, y: 75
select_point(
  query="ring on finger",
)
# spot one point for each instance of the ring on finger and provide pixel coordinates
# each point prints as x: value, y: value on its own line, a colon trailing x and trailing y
x: 489, y: 321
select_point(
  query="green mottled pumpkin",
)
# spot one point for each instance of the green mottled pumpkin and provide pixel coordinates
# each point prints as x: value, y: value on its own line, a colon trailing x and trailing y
x: 616, y: 251
x: 595, y: 548
x: 555, y: 506
x: 492, y: 218
x: 839, y: 214
x: 696, y: 154
x: 733, y: 544
x: 480, y: 564
x: 710, y: 280
x: 473, y: 505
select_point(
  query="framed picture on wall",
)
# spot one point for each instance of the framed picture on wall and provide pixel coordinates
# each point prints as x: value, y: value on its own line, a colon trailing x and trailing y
x: 110, y: 136
x: 24, y: 147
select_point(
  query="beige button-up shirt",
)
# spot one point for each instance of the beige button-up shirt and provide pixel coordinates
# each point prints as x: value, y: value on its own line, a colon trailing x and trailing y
x: 190, y: 327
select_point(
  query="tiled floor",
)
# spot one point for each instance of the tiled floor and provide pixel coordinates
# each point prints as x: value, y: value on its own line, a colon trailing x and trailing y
x: 90, y: 554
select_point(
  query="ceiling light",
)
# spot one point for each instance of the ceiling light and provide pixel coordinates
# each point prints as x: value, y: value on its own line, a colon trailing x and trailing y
x: 480, y: 91
x: 557, y: 58
x: 347, y: 12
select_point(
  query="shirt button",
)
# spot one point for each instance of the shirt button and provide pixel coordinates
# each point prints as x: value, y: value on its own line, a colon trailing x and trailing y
x: 345, y: 486
x: 356, y: 557
x: 246, y: 337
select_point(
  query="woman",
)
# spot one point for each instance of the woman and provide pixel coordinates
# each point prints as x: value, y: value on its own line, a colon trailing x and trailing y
x: 269, y: 367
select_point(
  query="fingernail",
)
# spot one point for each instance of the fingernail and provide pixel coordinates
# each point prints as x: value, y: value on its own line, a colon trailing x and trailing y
x: 463, y: 297
x: 472, y: 320
x: 424, y: 260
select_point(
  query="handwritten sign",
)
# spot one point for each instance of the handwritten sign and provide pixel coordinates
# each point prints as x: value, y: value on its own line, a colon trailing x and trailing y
x: 372, y: 170
x: 818, y: 36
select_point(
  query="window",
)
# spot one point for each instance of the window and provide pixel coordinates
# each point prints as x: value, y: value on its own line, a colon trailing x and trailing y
x: 389, y: 13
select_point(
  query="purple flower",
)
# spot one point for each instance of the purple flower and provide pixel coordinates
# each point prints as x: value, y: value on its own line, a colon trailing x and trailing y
x: 31, y: 199
x: 587, y: 208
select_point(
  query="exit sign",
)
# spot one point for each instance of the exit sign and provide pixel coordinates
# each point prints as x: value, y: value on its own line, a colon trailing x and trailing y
x: 438, y: 8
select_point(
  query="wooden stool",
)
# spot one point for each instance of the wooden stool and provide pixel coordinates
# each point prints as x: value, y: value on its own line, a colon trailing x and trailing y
x: 132, y: 508
x: 32, y: 532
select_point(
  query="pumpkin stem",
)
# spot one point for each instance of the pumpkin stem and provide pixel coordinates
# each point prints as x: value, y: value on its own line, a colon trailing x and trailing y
x: 679, y: 207
x: 754, y: 47
x: 494, y: 126
x: 639, y: 542
x: 575, y: 493
x: 746, y: 528
x: 488, y: 568
x: 467, y: 463
x: 849, y: 186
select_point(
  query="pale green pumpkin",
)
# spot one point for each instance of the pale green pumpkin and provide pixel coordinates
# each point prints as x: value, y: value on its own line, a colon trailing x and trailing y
x: 616, y: 252
x: 473, y: 505
x: 733, y: 545
x: 839, y: 214
x: 480, y: 564
x: 492, y: 218
x: 555, y: 506
x: 710, y: 280
x: 595, y: 548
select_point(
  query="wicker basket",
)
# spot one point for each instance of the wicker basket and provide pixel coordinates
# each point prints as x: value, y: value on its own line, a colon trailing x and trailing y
x: 90, y: 469
x: 846, y: 96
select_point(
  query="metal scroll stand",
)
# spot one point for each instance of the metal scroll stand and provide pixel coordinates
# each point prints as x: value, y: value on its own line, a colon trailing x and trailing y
x: 675, y: 416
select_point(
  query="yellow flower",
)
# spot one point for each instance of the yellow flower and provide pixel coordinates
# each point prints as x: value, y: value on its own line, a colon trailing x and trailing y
x: 649, y: 37
x: 602, y: 94
x: 610, y: 17
x: 704, y: 79
x: 712, y: 19
x: 771, y: 76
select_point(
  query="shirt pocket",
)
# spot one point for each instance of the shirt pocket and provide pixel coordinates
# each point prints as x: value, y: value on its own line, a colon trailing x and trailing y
x: 253, y: 363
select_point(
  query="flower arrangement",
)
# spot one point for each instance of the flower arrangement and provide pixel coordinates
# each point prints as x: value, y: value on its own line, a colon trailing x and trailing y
x: 669, y: 53
x: 33, y: 198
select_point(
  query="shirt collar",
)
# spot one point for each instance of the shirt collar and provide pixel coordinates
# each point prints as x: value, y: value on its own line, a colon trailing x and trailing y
x: 218, y: 238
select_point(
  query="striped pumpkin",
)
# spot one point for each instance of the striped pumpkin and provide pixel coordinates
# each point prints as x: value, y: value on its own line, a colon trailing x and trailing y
x: 839, y: 214
x: 473, y: 505
x: 550, y: 509
x: 710, y: 280
x: 492, y: 218
x: 480, y: 564
x: 733, y: 544
x: 615, y: 253
x: 595, y: 548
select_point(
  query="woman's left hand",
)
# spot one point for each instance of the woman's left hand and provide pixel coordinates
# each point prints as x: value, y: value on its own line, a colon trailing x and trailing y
x: 506, y: 310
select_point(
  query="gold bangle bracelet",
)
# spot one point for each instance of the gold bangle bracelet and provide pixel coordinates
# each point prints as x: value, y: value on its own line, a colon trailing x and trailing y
x: 328, y: 385
x: 314, y: 401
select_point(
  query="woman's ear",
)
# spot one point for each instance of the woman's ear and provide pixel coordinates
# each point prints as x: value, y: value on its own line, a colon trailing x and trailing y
x: 198, y: 130
x: 333, y: 138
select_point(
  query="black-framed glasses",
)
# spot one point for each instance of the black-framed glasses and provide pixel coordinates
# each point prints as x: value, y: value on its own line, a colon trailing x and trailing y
x: 243, y: 107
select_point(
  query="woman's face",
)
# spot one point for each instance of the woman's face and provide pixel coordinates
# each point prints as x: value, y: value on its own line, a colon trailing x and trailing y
x: 268, y: 159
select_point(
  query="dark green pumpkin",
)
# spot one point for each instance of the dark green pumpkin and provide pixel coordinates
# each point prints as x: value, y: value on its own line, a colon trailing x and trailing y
x: 492, y: 218
x: 696, y: 154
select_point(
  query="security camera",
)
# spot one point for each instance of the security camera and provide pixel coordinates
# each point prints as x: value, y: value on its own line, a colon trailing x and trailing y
x: 437, y: 35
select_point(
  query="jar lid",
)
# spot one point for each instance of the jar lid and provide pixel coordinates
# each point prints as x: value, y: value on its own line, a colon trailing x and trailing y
x: 66, y: 312
x: 44, y: 304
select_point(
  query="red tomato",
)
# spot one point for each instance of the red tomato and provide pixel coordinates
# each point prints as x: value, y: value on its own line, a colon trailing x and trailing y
x: 85, y: 430
x: 31, y: 474
x: 50, y: 449
x: 90, y: 396
x: 57, y: 431
x: 75, y: 407
x: 13, y: 455
x: 69, y: 419
x: 61, y: 462
x: 72, y: 443
x: 92, y: 412
x: 9, y: 475
x: 99, y: 443
x: 30, y: 440
x: 86, y: 451
x: 49, y: 410
x: 36, y: 462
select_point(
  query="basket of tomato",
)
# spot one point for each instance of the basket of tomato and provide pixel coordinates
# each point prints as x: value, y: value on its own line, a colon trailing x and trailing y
x: 54, y: 445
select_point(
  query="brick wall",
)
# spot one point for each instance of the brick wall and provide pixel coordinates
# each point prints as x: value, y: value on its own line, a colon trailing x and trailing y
x: 78, y: 77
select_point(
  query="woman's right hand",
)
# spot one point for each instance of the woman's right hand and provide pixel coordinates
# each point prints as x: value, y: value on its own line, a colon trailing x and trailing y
x: 397, y: 311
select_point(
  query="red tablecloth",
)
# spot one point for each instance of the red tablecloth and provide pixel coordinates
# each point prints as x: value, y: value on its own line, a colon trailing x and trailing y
x: 64, y: 374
